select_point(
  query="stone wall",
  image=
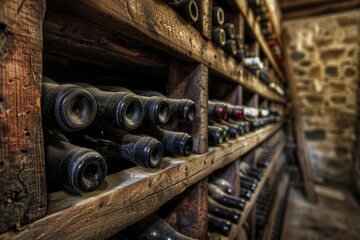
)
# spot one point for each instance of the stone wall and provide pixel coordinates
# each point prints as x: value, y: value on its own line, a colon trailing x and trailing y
x: 324, y: 52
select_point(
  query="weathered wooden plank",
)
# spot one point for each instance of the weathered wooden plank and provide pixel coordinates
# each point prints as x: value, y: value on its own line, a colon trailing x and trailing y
x: 280, y: 195
x: 75, y: 38
x: 155, y: 23
x: 190, y: 215
x: 302, y: 149
x: 191, y: 81
x: 132, y: 194
x: 204, y: 25
x: 22, y: 181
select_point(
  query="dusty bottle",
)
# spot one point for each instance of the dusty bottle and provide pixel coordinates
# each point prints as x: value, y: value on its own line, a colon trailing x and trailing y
x: 218, y: 36
x: 120, y: 109
x: 188, y: 9
x: 154, y: 228
x: 175, y: 143
x: 218, y: 16
x: 235, y: 112
x: 230, y: 47
x: 223, y: 184
x: 229, y: 131
x: 114, y: 143
x: 217, y: 110
x: 229, y: 29
x: 78, y: 169
x: 219, y: 225
x: 69, y: 106
x: 215, y: 135
x: 225, y: 199
x: 245, y: 194
x: 234, y: 129
x: 156, y: 109
x: 181, y: 109
x: 222, y: 211
x: 263, y: 163
x: 251, y: 172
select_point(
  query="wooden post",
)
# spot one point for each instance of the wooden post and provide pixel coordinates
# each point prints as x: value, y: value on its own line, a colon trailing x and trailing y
x: 191, y: 81
x: 22, y: 168
x: 205, y: 10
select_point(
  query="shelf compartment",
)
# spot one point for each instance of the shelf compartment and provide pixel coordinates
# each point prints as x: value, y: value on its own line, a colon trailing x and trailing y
x: 155, y: 23
x: 132, y: 194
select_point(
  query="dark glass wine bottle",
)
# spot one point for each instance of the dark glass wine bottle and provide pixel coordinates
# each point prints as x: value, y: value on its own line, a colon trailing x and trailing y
x: 222, y: 211
x: 245, y: 194
x: 175, y: 143
x: 78, y: 169
x: 156, y: 109
x: 120, y: 109
x: 181, y: 109
x: 114, y: 143
x: 228, y: 131
x: 251, y: 172
x: 217, y: 110
x: 229, y: 29
x: 230, y: 47
x: 218, y: 36
x: 223, y: 184
x: 225, y: 199
x: 188, y: 9
x: 215, y: 135
x: 69, y: 107
x: 218, y: 16
x: 219, y: 225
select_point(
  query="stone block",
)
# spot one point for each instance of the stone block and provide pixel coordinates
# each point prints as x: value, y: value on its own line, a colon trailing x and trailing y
x: 332, y: 54
x: 350, y: 72
x: 315, y: 99
x: 318, y: 134
x: 315, y: 72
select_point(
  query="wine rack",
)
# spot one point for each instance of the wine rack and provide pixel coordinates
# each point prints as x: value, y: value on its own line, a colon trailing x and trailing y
x: 129, y: 35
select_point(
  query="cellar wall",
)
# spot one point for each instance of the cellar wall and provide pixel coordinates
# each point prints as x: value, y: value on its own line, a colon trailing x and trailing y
x: 324, y: 53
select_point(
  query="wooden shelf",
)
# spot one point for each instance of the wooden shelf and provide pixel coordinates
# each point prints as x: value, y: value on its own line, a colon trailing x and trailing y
x: 251, y: 204
x: 271, y: 6
x: 154, y: 23
x: 280, y: 195
x: 132, y: 194
x: 256, y: 30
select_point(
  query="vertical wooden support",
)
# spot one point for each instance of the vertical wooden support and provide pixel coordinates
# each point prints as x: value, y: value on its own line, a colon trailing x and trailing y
x: 191, y: 81
x: 302, y: 150
x: 231, y: 173
x: 22, y: 181
x: 204, y: 25
x: 190, y: 215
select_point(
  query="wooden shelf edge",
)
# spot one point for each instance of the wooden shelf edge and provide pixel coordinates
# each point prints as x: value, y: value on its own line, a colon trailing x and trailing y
x: 140, y: 20
x: 256, y: 30
x: 269, y: 170
x: 281, y: 193
x: 132, y: 194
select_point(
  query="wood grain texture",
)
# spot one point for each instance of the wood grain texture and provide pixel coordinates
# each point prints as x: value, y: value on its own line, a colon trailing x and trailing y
x: 191, y: 81
x: 22, y: 181
x: 132, y: 194
x: 154, y: 23
x: 302, y: 151
x: 189, y: 216
x: 204, y: 25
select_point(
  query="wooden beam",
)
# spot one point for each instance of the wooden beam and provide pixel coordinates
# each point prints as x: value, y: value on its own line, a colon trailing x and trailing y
x: 22, y: 167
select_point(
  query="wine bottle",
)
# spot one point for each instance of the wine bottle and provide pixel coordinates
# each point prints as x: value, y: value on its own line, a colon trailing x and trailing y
x: 263, y: 163
x: 76, y: 168
x: 154, y: 228
x: 245, y: 194
x: 217, y: 110
x: 230, y: 47
x: 174, y: 143
x: 222, y: 211
x: 225, y: 199
x: 188, y: 9
x: 181, y: 109
x: 70, y: 107
x: 229, y: 131
x: 218, y: 36
x: 251, y: 172
x: 235, y: 130
x: 229, y: 29
x: 156, y: 109
x: 115, y: 143
x: 120, y: 109
x: 235, y: 112
x: 215, y: 135
x: 223, y: 184
x: 219, y: 225
x: 218, y: 16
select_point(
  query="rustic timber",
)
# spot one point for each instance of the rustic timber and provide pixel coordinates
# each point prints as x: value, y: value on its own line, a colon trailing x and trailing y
x: 75, y: 38
x: 22, y: 181
x: 129, y: 195
x: 155, y: 23
x: 279, y: 199
x: 191, y: 81
x: 302, y: 149
x: 205, y: 11
x: 190, y: 215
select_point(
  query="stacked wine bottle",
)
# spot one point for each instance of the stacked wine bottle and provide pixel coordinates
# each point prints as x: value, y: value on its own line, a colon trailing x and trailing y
x: 228, y: 121
x: 88, y: 128
x: 188, y: 9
